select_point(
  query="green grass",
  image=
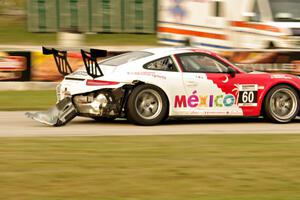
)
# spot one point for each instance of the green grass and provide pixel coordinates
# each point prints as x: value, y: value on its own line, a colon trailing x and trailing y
x: 27, y: 100
x: 13, y: 30
x: 219, y: 167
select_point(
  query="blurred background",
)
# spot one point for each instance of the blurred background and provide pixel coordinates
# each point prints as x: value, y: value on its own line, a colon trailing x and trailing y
x: 257, y: 35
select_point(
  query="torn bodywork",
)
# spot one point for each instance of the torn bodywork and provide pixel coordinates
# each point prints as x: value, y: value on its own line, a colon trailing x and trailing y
x: 102, y: 103
x: 63, y: 112
x: 105, y: 103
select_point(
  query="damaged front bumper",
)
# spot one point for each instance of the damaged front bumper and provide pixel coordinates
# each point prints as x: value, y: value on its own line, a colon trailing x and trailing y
x: 63, y: 112
x: 105, y: 103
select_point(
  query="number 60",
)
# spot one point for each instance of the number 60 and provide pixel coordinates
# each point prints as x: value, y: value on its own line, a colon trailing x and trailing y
x: 248, y: 97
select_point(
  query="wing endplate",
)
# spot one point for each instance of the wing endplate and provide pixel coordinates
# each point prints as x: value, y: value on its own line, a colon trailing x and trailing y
x: 61, y: 60
x: 90, y: 61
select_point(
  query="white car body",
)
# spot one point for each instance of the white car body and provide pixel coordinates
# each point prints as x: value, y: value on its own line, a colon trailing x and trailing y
x: 133, y: 71
x: 154, y: 84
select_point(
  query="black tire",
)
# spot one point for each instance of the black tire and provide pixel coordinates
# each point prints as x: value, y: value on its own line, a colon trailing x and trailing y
x: 281, y: 104
x: 147, y: 105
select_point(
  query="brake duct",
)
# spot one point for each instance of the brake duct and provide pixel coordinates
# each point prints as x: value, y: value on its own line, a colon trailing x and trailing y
x: 63, y: 112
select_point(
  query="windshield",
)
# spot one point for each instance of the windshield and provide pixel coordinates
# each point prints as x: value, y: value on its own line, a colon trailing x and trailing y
x: 285, y: 10
x: 125, y: 58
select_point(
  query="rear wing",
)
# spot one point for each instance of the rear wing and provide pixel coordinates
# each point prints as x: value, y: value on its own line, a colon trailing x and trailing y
x: 61, y: 60
x: 90, y: 61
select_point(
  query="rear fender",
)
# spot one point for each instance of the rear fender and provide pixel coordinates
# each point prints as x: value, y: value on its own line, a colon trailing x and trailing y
x: 136, y: 83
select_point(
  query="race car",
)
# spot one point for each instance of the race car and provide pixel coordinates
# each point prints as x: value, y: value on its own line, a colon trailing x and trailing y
x: 153, y: 85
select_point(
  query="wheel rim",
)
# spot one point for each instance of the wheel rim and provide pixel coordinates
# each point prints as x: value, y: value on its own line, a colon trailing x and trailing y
x: 148, y: 104
x: 283, y: 104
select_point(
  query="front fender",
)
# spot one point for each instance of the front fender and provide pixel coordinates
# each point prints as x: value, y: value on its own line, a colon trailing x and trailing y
x: 293, y: 82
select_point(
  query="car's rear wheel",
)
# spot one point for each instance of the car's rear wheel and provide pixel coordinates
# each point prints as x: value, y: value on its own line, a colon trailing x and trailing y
x: 281, y: 104
x: 147, y: 105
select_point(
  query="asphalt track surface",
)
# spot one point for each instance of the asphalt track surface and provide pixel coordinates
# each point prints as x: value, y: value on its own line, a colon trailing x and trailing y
x: 16, y: 124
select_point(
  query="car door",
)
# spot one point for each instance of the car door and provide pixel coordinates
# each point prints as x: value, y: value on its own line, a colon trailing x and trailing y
x: 210, y: 90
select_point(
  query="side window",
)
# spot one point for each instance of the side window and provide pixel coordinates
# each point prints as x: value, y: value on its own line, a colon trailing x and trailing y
x: 201, y: 63
x: 163, y: 64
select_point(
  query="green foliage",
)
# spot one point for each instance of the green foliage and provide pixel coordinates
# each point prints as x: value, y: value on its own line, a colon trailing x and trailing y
x: 13, y: 30
x: 12, y: 4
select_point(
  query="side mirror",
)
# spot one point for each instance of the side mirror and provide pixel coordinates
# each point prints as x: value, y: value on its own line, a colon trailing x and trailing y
x: 231, y: 72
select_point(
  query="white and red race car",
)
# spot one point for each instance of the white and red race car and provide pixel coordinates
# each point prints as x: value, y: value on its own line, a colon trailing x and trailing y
x: 152, y: 85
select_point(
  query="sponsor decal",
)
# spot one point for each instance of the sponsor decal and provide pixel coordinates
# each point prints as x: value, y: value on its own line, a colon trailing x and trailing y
x: 201, y: 76
x: 226, y: 79
x: 195, y: 100
x: 14, y: 65
x: 280, y: 76
x: 247, y: 94
x: 152, y: 74
x: 79, y: 73
x: 44, y: 67
x: 217, y: 113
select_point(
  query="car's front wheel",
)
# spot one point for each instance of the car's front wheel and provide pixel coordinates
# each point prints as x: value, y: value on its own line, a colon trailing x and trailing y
x: 281, y: 104
x: 147, y: 105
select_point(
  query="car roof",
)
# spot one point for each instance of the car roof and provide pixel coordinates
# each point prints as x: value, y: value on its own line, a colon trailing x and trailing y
x: 175, y: 50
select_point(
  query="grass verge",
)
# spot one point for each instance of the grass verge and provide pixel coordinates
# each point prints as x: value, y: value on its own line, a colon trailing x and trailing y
x: 27, y: 100
x: 219, y: 167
